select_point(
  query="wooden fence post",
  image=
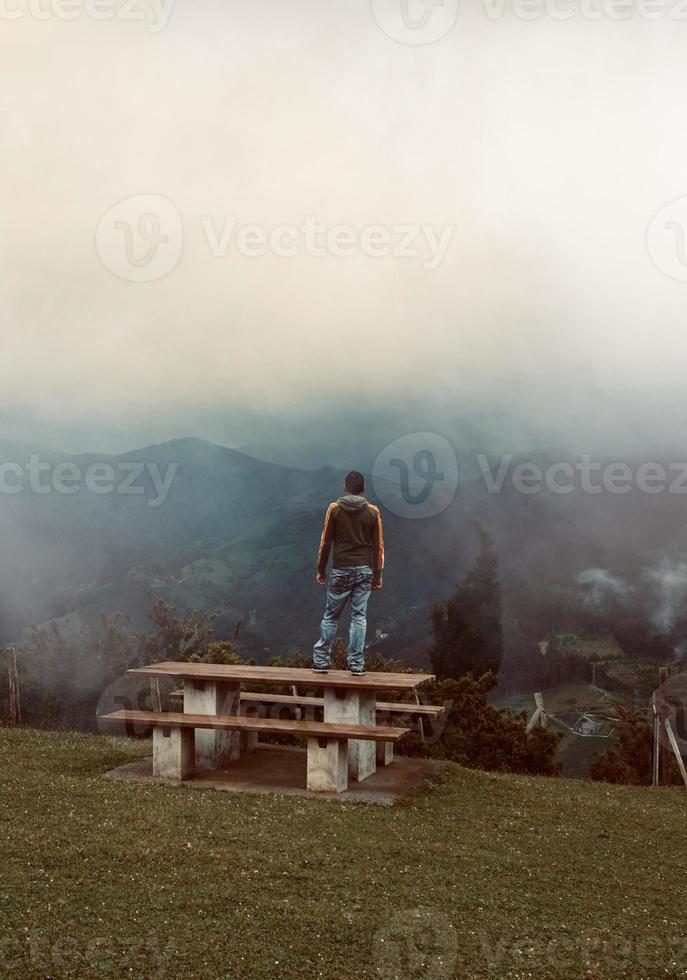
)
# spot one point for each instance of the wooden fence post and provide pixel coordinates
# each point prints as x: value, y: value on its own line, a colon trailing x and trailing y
x: 14, y: 706
x: 155, y: 699
x: 656, y: 742
x: 663, y: 716
x: 676, y: 750
x: 421, y: 724
x: 539, y: 717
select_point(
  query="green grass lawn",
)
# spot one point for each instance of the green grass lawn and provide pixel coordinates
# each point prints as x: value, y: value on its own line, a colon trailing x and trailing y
x: 481, y: 875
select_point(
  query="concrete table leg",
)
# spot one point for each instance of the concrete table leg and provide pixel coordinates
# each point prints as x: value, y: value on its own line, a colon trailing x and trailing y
x: 327, y: 765
x: 214, y: 750
x: 345, y: 706
x: 251, y: 709
x: 249, y: 741
x: 172, y: 752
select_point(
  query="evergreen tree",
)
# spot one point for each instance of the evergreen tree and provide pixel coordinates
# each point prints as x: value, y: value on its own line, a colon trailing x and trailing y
x: 468, y: 635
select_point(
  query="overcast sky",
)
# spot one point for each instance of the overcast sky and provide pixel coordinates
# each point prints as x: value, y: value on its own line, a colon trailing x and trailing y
x: 540, y: 149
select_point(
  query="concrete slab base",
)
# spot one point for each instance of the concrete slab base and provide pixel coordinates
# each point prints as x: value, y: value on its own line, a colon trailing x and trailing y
x: 282, y: 769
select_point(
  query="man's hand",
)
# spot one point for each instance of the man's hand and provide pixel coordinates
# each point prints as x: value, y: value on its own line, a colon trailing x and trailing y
x: 321, y: 579
x: 378, y: 584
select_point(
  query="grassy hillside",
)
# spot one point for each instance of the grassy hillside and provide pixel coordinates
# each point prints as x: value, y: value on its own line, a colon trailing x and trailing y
x: 482, y: 876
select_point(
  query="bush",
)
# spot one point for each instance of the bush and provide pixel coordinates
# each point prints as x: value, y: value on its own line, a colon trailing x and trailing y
x: 629, y: 761
x: 480, y: 736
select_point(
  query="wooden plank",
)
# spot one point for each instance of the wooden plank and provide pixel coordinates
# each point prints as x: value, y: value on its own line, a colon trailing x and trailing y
x: 657, y: 742
x: 385, y: 707
x: 421, y: 724
x: 285, y: 675
x: 271, y: 726
x: 663, y: 715
x: 534, y: 721
x: 155, y: 698
x: 14, y: 705
x: 676, y: 751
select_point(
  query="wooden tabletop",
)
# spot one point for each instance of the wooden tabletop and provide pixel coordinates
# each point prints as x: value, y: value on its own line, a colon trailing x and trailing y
x: 285, y: 675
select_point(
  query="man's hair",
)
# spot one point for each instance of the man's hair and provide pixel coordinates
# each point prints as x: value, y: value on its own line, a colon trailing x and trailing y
x: 355, y: 482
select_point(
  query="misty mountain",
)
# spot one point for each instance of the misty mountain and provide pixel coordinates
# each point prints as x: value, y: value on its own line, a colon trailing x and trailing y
x: 210, y: 528
x: 234, y: 535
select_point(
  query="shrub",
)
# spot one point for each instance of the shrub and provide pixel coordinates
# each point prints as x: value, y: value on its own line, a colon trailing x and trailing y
x: 477, y: 734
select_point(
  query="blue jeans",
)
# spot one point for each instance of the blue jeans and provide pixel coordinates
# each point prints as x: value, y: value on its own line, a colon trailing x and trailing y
x: 344, y: 584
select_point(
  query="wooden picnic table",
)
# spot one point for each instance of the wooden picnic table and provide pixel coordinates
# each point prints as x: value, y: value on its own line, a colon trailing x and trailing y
x: 215, y: 689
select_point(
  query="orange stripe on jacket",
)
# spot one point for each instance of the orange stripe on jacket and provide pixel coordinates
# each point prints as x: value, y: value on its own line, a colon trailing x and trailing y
x: 380, y: 531
x: 323, y: 539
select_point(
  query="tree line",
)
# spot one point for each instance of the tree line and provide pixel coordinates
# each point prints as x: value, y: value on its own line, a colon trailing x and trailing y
x: 61, y: 675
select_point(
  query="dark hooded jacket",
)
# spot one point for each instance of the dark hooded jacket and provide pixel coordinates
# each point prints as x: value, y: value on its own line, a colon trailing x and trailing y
x: 354, y: 527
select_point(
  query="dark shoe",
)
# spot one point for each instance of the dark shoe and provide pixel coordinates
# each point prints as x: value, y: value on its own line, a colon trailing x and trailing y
x: 357, y: 671
x: 320, y: 670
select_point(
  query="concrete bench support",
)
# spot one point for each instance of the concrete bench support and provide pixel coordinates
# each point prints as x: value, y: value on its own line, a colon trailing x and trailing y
x: 385, y: 750
x: 346, y: 706
x: 173, y: 752
x: 214, y: 749
x: 385, y: 753
x: 327, y: 765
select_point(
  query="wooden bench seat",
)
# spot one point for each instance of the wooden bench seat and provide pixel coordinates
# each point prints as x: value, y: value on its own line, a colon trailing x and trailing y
x: 173, y: 741
x: 301, y: 701
x: 254, y: 704
x: 383, y: 707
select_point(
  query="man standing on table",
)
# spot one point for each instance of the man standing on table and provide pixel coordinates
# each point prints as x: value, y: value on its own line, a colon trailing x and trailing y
x: 354, y: 527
